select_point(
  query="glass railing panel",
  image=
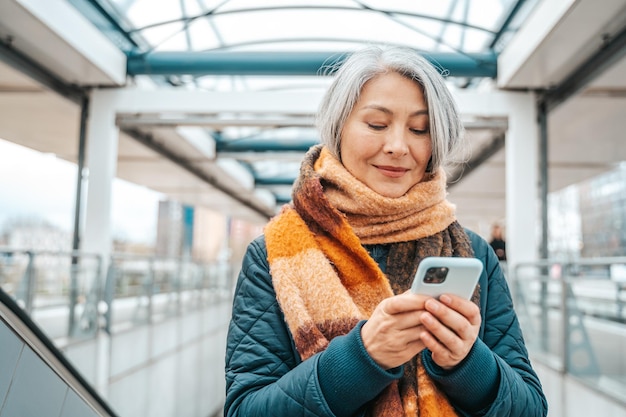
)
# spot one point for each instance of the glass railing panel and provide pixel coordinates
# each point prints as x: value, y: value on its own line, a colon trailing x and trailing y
x: 129, y: 280
x: 107, y: 322
x: 537, y: 293
x: 573, y: 317
x: 191, y: 283
x: 14, y: 275
x: 59, y: 290
x: 596, y: 343
x: 166, y: 289
x: 147, y: 290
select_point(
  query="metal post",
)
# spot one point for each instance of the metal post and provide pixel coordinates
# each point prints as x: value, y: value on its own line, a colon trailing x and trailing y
x: 26, y: 292
x: 542, y: 115
x: 73, y: 295
x: 543, y: 198
x: 178, y: 285
x: 108, y: 293
x: 149, y: 290
x: 84, y: 114
x: 565, y: 337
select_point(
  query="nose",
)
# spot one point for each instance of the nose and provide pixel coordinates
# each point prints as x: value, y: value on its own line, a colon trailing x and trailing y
x: 396, y: 143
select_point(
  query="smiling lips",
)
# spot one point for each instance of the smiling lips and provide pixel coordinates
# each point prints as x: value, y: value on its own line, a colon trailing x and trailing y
x: 390, y: 171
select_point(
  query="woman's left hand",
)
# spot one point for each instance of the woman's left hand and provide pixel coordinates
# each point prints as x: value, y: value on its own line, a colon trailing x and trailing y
x: 451, y: 326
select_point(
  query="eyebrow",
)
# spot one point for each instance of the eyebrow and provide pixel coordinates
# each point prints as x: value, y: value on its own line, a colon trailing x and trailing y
x: 388, y: 111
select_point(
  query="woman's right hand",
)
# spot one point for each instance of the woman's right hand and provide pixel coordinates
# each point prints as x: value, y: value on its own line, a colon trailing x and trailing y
x: 391, y: 336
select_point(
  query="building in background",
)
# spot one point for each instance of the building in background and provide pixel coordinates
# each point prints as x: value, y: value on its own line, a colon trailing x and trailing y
x: 588, y: 219
x: 174, y: 230
x: 199, y: 233
x: 603, y: 214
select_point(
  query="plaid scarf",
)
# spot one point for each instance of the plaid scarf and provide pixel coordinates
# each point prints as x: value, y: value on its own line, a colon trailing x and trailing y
x: 325, y: 280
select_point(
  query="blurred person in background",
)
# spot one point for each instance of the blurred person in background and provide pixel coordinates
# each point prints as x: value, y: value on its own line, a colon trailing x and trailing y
x: 497, y: 242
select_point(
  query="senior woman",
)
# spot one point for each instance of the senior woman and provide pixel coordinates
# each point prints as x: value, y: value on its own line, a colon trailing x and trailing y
x: 322, y: 322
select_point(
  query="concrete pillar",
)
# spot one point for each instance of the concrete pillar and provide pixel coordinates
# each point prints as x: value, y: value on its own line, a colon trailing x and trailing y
x: 102, y: 142
x: 522, y: 180
x: 521, y: 160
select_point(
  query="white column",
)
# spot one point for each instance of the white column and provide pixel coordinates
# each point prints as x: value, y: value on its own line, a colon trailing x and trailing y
x: 102, y: 142
x: 522, y: 171
x: 522, y: 180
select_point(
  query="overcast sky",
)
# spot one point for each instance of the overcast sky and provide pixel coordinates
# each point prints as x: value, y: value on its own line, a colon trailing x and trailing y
x: 41, y: 186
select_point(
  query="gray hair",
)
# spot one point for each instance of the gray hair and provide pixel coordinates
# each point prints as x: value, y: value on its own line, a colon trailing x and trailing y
x: 446, y: 128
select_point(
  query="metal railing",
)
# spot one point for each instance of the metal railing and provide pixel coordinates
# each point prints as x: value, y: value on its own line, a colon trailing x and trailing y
x: 144, y: 290
x: 63, y: 287
x: 135, y: 319
x: 573, y: 317
x: 573, y: 314
x: 68, y: 295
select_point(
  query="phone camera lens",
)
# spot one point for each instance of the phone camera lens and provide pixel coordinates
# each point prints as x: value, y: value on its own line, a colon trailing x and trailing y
x: 436, y: 275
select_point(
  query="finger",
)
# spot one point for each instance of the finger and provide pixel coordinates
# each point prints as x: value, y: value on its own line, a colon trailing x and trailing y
x: 404, y: 302
x: 447, y: 349
x: 437, y: 349
x: 446, y: 315
x: 461, y: 325
x: 382, y: 308
x: 391, y: 348
x: 407, y: 320
x: 444, y: 335
x: 415, y: 347
x: 410, y: 320
x: 438, y: 352
x: 392, y: 322
x: 466, y: 308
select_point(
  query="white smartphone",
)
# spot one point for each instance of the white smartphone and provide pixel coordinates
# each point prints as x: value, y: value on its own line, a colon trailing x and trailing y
x: 439, y: 275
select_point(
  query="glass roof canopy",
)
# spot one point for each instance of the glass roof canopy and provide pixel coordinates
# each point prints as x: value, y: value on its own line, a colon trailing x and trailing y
x: 149, y: 30
x: 200, y: 25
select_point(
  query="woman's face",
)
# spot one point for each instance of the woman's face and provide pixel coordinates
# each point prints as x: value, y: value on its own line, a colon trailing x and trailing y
x: 385, y: 142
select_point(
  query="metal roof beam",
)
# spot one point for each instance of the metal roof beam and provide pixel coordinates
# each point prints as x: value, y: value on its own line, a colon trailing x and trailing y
x: 505, y: 26
x: 274, y: 181
x: 214, y: 12
x: 287, y: 63
x: 266, y: 145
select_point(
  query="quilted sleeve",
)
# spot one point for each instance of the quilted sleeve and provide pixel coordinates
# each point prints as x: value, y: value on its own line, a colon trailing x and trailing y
x: 519, y: 391
x: 264, y: 375
x: 496, y: 379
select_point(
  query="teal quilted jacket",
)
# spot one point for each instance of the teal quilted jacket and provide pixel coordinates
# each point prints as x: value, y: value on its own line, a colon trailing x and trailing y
x: 265, y: 377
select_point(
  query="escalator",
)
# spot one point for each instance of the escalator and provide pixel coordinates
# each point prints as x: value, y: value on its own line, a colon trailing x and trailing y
x: 36, y: 380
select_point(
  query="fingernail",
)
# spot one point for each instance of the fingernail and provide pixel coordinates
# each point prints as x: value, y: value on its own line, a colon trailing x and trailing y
x: 432, y: 305
x: 445, y: 299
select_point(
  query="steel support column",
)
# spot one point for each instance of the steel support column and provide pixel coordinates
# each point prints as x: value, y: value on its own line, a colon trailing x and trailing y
x: 84, y: 114
x: 542, y: 118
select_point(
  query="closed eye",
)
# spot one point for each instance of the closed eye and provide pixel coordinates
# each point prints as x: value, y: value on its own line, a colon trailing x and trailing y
x: 376, y: 127
x: 419, y: 131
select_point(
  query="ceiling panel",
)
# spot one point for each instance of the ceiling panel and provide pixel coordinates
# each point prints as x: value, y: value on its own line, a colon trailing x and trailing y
x: 12, y: 80
x: 40, y: 120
